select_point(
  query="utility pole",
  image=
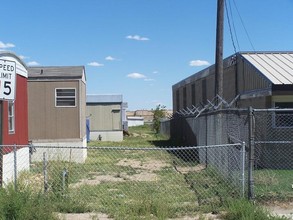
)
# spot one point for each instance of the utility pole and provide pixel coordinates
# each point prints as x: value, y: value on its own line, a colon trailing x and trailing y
x: 219, y: 49
x: 219, y: 73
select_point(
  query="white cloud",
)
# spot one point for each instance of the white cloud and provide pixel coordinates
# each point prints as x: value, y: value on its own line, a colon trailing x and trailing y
x: 136, y: 76
x: 137, y: 37
x: 33, y: 63
x: 155, y: 72
x: 110, y: 58
x: 23, y: 57
x: 199, y: 63
x: 6, y: 45
x: 148, y: 80
x: 95, y: 64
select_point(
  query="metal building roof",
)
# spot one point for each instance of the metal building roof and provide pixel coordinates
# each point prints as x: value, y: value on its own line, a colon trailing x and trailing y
x: 112, y: 98
x: 45, y: 72
x: 276, y: 66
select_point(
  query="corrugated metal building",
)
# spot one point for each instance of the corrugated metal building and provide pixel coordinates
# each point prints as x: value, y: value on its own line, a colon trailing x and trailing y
x: 105, y: 113
x: 57, y: 108
x: 261, y: 79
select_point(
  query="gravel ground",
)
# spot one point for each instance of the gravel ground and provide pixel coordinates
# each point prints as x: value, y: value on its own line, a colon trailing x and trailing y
x: 286, y: 211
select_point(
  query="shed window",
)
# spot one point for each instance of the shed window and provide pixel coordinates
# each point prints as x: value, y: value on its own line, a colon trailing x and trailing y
x: 11, y: 118
x: 65, y: 97
x: 284, y: 118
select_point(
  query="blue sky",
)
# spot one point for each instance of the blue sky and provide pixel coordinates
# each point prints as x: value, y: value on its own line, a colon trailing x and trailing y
x: 139, y: 48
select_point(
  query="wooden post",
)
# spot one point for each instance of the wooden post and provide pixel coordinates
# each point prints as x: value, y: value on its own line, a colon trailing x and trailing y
x: 219, y: 49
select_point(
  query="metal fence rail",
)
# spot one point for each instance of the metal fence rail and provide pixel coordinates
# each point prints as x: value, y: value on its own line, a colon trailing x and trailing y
x: 181, y: 178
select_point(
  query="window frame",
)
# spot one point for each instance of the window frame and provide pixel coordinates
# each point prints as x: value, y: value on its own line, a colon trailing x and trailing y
x: 281, y: 111
x: 193, y: 94
x: 177, y: 100
x: 65, y: 106
x: 184, y: 97
x: 11, y: 117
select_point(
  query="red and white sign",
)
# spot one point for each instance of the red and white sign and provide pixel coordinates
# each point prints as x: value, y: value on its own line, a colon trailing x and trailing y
x: 7, y: 79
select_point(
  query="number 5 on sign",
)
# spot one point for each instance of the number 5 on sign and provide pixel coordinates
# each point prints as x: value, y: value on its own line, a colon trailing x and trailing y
x: 7, y: 79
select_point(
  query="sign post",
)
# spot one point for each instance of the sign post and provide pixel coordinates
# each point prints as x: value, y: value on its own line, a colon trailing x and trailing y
x: 7, y: 80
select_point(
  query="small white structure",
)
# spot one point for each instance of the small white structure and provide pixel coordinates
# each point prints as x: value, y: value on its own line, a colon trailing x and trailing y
x: 63, y: 150
x: 135, y: 121
x: 13, y: 163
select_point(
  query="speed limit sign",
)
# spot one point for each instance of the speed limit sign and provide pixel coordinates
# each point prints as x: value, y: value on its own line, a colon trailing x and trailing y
x: 7, y: 79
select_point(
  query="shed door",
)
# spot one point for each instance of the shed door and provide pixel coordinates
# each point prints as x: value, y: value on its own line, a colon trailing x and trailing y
x: 116, y: 123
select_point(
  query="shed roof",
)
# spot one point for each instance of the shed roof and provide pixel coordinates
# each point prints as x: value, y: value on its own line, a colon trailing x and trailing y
x: 21, y: 68
x: 56, y: 72
x: 99, y: 98
x: 276, y: 66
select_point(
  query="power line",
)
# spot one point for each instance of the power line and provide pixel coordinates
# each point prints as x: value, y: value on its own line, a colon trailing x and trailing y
x: 243, y: 26
x: 233, y: 24
x: 231, y: 34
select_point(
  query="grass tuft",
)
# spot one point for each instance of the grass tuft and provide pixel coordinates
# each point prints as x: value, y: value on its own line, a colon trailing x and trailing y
x: 24, y: 204
x: 245, y: 210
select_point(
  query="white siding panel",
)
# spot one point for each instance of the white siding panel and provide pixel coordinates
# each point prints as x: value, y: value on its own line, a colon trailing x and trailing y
x: 283, y: 69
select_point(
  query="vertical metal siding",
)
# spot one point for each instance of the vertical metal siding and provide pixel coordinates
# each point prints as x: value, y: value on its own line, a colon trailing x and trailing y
x: 20, y: 137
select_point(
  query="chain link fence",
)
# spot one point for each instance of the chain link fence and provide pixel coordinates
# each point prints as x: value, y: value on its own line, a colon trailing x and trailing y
x: 268, y: 135
x: 128, y: 183
x: 235, y: 153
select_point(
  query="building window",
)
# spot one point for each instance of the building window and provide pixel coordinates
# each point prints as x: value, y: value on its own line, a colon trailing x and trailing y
x: 204, y: 91
x: 283, y: 118
x: 184, y: 98
x: 177, y: 100
x: 11, y: 117
x: 65, y: 97
x: 193, y: 100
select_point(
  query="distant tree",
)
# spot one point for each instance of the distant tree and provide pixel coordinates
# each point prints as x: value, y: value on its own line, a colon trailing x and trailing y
x: 159, y: 113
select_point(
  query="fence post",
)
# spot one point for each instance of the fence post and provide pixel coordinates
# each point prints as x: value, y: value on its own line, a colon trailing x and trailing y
x: 243, y: 168
x: 251, y: 154
x: 45, y: 172
x: 206, y: 141
x: 15, y: 166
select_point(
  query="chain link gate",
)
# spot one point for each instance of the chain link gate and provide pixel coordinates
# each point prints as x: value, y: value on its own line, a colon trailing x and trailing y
x: 273, y: 154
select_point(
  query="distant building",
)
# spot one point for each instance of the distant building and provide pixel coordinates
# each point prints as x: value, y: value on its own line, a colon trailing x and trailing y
x: 106, y: 115
x: 135, y: 121
x: 147, y: 115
